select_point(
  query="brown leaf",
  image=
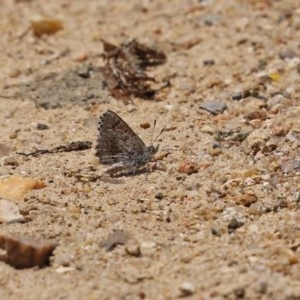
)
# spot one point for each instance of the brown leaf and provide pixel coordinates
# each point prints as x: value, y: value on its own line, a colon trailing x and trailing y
x: 21, y: 252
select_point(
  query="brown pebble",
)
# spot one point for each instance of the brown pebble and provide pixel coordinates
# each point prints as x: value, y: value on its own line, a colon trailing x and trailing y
x: 189, y: 167
x: 145, y: 125
x: 258, y: 114
x: 245, y: 200
x: 24, y: 252
x: 45, y: 25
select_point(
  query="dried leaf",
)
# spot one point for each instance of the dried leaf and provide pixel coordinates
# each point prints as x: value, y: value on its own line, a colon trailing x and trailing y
x: 15, y: 187
x: 9, y: 212
x: 124, y: 69
x: 23, y: 252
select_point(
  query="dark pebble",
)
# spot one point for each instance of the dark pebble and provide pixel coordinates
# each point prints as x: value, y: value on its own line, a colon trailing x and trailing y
x: 208, y: 62
x: 239, y: 292
x: 234, y: 224
x: 41, y: 126
x: 159, y: 195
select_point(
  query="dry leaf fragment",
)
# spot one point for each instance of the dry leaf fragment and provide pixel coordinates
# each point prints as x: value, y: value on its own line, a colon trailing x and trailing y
x: 24, y: 253
x: 9, y: 212
x: 15, y: 187
x: 124, y: 68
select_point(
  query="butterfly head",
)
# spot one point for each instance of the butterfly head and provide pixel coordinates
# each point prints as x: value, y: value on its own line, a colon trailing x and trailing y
x: 152, y: 150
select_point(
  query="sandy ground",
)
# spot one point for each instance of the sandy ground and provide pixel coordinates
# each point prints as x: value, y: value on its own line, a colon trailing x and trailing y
x: 218, y: 218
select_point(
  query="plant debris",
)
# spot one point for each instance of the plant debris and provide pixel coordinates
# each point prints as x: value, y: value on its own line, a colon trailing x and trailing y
x: 9, y: 212
x: 15, y: 187
x: 124, y: 68
x: 73, y: 146
x: 21, y: 252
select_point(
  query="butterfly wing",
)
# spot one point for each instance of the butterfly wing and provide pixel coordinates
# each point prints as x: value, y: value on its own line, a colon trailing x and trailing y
x: 117, y: 141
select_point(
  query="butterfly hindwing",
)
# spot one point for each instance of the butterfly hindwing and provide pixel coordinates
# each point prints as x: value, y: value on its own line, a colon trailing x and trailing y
x: 118, y: 142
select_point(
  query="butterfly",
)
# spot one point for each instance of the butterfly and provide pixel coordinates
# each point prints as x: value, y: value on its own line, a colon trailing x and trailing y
x: 119, y: 146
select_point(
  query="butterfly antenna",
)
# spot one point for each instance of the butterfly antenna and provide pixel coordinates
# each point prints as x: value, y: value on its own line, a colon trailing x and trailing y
x: 152, y: 133
x: 161, y: 132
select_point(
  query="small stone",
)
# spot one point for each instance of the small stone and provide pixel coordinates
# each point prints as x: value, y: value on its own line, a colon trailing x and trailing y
x: 208, y: 62
x: 187, y: 289
x: 239, y: 292
x: 145, y: 125
x: 245, y: 200
x: 133, y: 248
x: 85, y: 70
x: 287, y: 54
x: 239, y: 95
x: 41, y: 126
x: 261, y: 287
x: 256, y: 123
x: 62, y: 270
x: 159, y: 196
x: 214, y: 107
x: 208, y: 129
x: 45, y: 25
x: 189, y: 167
x: 147, y: 248
x: 258, y: 114
x: 234, y: 224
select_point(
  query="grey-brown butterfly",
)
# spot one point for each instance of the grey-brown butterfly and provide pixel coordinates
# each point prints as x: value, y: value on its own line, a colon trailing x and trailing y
x: 119, y: 146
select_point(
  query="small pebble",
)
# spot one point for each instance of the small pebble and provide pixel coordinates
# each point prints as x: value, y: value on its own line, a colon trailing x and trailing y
x: 189, y: 167
x: 214, y: 107
x: 208, y: 129
x: 245, y: 199
x: 287, y: 53
x: 133, y: 248
x: 159, y: 196
x: 187, y: 289
x: 208, y: 62
x: 145, y: 125
x: 239, y: 292
x: 85, y: 70
x: 262, y: 287
x: 147, y: 248
x: 234, y: 224
x: 45, y: 25
x: 41, y: 126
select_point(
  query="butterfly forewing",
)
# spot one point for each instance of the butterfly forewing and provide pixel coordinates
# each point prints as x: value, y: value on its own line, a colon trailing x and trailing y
x: 118, y: 143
